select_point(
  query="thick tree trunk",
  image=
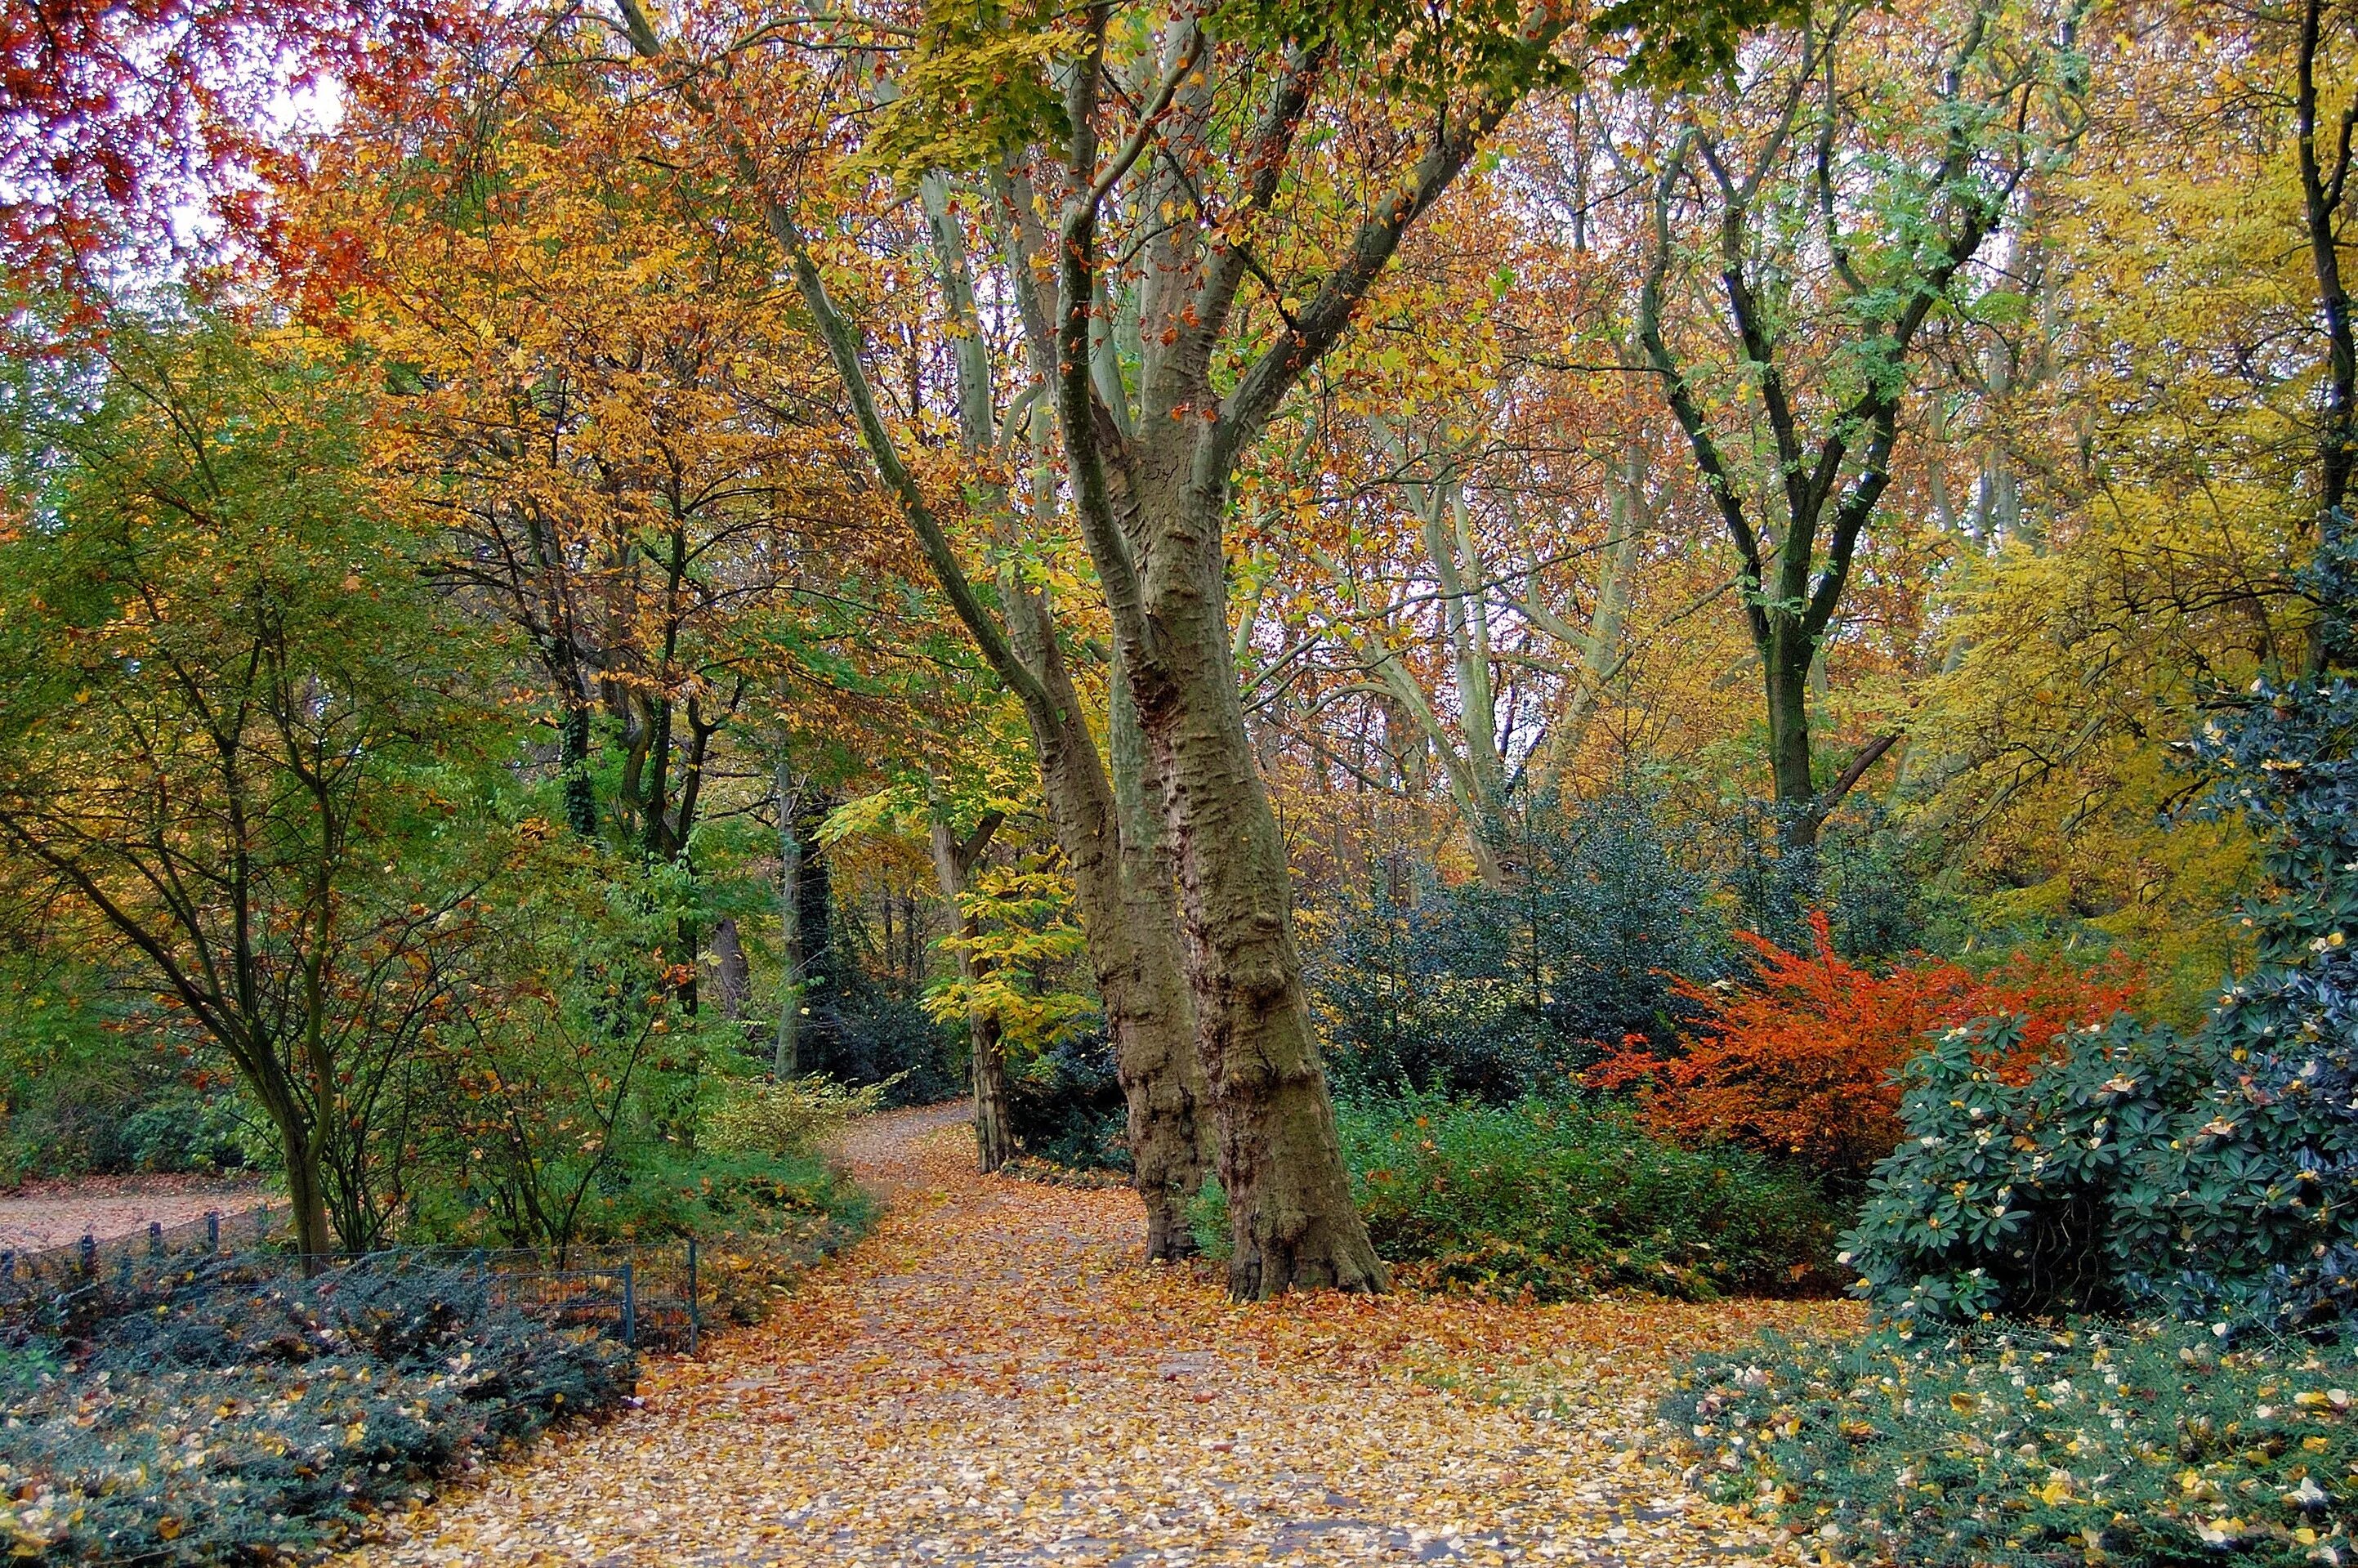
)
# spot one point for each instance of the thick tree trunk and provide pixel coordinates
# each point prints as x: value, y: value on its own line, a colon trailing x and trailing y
x: 1172, y: 1147
x: 1122, y: 882
x: 1291, y: 1219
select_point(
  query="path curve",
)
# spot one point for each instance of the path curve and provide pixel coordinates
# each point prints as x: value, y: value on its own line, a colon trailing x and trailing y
x: 991, y: 1379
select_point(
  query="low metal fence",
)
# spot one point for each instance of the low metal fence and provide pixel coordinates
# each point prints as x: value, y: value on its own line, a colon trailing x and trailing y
x: 648, y: 1297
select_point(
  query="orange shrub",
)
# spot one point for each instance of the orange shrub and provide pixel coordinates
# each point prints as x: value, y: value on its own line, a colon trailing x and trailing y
x: 1800, y: 1062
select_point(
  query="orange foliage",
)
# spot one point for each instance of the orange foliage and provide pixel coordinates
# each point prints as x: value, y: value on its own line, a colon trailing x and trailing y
x: 1802, y: 1062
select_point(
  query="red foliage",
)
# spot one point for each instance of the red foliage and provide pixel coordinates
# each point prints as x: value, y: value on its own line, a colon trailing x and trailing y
x: 1800, y: 1063
x: 124, y: 124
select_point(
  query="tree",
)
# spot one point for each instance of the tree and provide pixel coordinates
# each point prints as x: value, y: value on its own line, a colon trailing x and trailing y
x: 236, y: 731
x: 1841, y: 203
x: 1112, y: 846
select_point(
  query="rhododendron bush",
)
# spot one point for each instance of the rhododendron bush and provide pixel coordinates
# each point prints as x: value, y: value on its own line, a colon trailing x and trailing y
x: 1801, y: 1061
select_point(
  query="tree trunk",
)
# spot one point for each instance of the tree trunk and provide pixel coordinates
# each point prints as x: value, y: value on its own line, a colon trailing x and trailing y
x: 816, y: 1006
x: 786, y: 1056
x: 1785, y: 661
x: 1122, y: 881
x: 994, y: 1142
x: 307, y: 1196
x: 731, y: 976
x: 1291, y: 1215
x: 994, y: 1139
x: 1171, y: 1139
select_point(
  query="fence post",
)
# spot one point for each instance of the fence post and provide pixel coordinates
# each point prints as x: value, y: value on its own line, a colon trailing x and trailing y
x: 88, y: 1254
x: 261, y: 1224
x: 630, y: 1308
x: 692, y: 1323
x: 212, y: 1230
x: 154, y: 1238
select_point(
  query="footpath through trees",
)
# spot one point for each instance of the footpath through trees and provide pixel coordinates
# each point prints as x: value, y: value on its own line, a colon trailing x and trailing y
x: 991, y: 1379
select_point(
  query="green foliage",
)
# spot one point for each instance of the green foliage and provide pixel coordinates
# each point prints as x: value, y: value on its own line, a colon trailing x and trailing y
x: 976, y: 87
x: 2088, y: 1444
x: 2019, y: 1198
x: 793, y: 1117
x: 1498, y: 993
x: 1562, y: 1199
x: 233, y: 1413
x: 1025, y: 941
x: 1066, y: 1106
x: 2210, y: 1177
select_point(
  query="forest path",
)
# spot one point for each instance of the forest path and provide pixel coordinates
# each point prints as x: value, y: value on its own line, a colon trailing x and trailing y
x: 993, y: 1379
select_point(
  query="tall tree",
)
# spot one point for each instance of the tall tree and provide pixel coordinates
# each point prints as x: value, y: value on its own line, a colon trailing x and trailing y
x: 232, y: 717
x: 1839, y: 198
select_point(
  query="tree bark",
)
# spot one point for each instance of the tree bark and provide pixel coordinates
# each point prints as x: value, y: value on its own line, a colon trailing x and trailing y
x: 307, y: 1198
x: 1292, y: 1221
x: 731, y: 977
x: 785, y: 1055
x: 817, y: 1005
x: 1123, y: 880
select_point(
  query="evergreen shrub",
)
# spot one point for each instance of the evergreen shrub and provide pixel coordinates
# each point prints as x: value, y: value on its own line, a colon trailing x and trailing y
x: 2215, y: 1177
x: 2019, y: 1447
x: 232, y: 1412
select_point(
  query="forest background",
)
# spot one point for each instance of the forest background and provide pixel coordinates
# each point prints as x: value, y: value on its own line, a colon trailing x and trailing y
x: 568, y: 570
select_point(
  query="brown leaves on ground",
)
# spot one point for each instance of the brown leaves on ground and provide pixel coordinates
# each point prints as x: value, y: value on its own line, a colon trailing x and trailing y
x: 991, y: 1379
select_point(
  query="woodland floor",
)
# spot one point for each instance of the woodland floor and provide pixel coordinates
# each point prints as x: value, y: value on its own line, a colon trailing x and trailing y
x: 57, y: 1214
x: 991, y: 1379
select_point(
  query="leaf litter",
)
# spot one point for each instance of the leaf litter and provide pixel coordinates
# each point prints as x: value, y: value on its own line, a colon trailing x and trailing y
x: 992, y: 1378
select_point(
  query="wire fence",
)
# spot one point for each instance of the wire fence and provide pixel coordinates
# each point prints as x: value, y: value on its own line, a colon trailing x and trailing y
x: 650, y: 1296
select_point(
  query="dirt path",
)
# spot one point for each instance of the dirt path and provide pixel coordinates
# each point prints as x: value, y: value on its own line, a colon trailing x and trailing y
x: 991, y: 1380
x: 56, y: 1213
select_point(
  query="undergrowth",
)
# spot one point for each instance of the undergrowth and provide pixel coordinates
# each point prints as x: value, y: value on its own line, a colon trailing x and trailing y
x: 1558, y: 1200
x: 2035, y: 1448
x: 231, y: 1412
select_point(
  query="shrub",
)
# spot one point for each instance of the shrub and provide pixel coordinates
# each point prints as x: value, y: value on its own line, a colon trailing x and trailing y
x: 1066, y: 1106
x: 2207, y: 1178
x: 1803, y: 1061
x: 1562, y: 1199
x: 2087, y: 1444
x: 1500, y: 992
x: 234, y: 1413
x: 2007, y: 1197
x: 791, y: 1117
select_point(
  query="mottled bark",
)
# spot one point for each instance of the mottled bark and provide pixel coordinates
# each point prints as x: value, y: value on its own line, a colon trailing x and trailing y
x: 1292, y: 1220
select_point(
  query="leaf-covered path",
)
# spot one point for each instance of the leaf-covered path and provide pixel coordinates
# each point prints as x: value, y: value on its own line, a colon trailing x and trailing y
x: 991, y: 1379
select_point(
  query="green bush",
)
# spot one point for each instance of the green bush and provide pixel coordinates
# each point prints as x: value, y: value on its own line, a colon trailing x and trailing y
x: 1066, y: 1106
x: 788, y: 1119
x: 2084, y: 1445
x: 1564, y: 1199
x: 2212, y: 1177
x: 235, y: 1413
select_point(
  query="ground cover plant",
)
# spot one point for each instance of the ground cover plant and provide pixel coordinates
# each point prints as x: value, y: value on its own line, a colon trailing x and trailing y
x: 2097, y: 1443
x: 236, y: 1412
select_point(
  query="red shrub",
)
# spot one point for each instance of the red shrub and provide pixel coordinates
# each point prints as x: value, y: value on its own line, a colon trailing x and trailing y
x: 1800, y: 1062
